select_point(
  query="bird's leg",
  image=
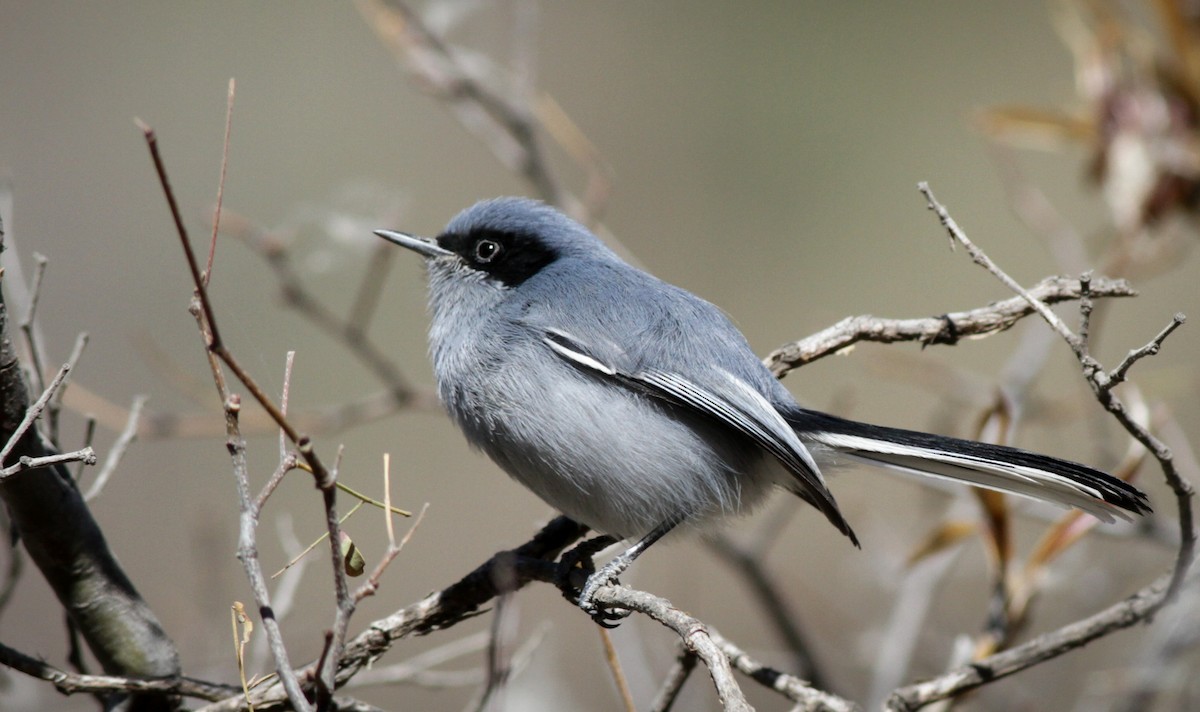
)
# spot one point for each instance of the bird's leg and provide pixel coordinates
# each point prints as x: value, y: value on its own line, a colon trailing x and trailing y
x: 609, y: 573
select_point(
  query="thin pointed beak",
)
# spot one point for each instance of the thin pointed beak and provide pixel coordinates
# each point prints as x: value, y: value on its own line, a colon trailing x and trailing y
x: 421, y: 245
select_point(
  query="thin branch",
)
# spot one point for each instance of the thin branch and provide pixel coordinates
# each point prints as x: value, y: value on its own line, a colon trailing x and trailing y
x: 212, y: 245
x: 1132, y: 611
x: 35, y: 410
x: 181, y: 231
x: 25, y: 463
x: 614, y: 666
x: 350, y: 331
x: 126, y: 438
x: 946, y: 329
x: 1086, y: 309
x: 248, y: 555
x: 783, y: 620
x: 325, y: 678
x: 685, y: 663
x: 283, y: 600
x: 370, y: 288
x: 387, y: 501
x: 326, y: 479
x: 504, y: 125
x: 284, y: 394
x: 27, y: 324
x: 286, y: 464
x: 373, y: 581
x: 89, y: 436
x: 980, y: 258
x: 1117, y: 375
x: 215, y: 345
x: 56, y: 400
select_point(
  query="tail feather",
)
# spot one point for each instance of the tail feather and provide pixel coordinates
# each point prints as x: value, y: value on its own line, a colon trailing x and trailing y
x: 995, y: 467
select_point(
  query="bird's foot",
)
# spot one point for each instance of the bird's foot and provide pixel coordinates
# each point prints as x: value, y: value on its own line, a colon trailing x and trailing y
x: 576, y: 564
x: 604, y: 617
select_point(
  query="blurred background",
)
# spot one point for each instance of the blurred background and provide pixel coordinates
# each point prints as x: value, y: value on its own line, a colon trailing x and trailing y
x: 765, y: 158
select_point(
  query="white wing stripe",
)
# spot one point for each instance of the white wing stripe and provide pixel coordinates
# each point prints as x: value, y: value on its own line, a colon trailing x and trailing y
x: 576, y: 357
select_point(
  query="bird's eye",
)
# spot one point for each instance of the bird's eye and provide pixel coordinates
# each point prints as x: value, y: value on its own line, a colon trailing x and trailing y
x: 486, y: 250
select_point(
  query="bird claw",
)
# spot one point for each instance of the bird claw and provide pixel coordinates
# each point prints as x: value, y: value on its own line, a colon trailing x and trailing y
x: 603, y: 616
x: 579, y: 561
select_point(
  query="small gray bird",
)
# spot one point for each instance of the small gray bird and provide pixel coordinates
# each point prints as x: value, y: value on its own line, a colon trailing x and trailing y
x: 635, y: 407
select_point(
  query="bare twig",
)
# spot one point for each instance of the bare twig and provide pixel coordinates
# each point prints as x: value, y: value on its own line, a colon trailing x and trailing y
x: 505, y: 125
x: 35, y: 410
x: 372, y: 583
x: 350, y: 331
x: 326, y: 478
x: 749, y: 563
x: 24, y: 463
x: 980, y: 258
x: 946, y: 329
x: 180, y: 230
x: 283, y: 599
x: 387, y: 501
x: 216, y: 345
x: 27, y: 324
x: 685, y: 663
x: 289, y: 362
x: 56, y: 400
x: 1124, y: 614
x: 124, y: 440
x: 1117, y: 375
x: 614, y: 666
x: 89, y: 436
x: 212, y: 245
x: 248, y: 555
x: 286, y: 464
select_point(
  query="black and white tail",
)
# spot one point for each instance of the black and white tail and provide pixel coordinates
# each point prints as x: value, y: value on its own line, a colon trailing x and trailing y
x: 996, y: 467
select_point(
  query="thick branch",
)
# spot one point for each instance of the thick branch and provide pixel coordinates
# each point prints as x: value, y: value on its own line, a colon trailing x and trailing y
x: 66, y: 544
